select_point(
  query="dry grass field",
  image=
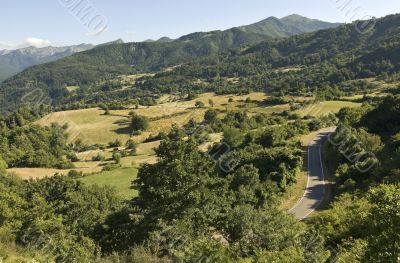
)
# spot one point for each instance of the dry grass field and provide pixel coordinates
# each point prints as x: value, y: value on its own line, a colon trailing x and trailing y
x: 93, y: 127
x: 326, y: 107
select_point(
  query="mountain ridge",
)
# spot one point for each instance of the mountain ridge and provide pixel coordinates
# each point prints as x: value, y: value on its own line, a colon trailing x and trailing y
x: 104, y: 62
x: 14, y: 61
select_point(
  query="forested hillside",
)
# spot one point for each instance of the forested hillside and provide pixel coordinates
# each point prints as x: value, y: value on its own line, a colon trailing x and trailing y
x: 105, y: 62
x: 331, y: 58
x: 327, y: 63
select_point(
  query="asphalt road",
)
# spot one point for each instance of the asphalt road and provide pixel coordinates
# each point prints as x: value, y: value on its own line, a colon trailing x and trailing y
x: 315, y: 191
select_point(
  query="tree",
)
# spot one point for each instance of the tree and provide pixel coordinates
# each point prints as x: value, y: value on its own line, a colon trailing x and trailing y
x: 105, y: 108
x: 98, y: 158
x: 384, y: 118
x: 272, y: 137
x: 246, y: 187
x: 199, y: 104
x: 132, y: 146
x: 181, y: 185
x: 371, y: 142
x: 210, y: 115
x: 233, y: 137
x: 255, y: 229
x: 3, y: 166
x: 117, y: 157
x: 139, y: 123
x: 384, y: 221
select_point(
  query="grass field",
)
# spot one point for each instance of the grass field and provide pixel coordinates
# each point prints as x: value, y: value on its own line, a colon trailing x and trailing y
x: 94, y: 127
x: 326, y: 107
x: 120, y: 179
x: 40, y: 173
x: 90, y: 125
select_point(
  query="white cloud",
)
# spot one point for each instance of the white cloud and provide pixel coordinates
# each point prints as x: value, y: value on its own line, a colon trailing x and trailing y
x: 29, y: 42
x: 36, y: 42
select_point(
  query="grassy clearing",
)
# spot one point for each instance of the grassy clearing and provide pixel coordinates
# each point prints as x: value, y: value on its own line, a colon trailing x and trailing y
x: 326, y: 107
x: 120, y: 179
x: 289, y: 69
x: 90, y: 125
x: 40, y: 173
x: 93, y: 127
x: 72, y: 88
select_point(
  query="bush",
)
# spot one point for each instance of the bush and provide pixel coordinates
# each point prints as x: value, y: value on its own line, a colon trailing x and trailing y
x: 273, y: 101
x: 154, y: 138
x: 139, y: 123
x: 210, y: 115
x: 233, y: 137
x: 64, y: 165
x: 117, y: 156
x: 72, y: 157
x: 132, y: 146
x: 111, y: 167
x: 199, y: 104
x: 115, y: 144
x: 3, y: 166
x: 98, y: 158
x: 75, y: 174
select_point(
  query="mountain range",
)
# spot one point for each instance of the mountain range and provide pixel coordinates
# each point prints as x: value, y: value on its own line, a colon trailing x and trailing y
x: 12, y: 62
x: 15, y: 61
x: 106, y: 61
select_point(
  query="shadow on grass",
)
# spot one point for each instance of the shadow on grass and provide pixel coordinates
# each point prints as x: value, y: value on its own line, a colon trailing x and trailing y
x: 124, y: 131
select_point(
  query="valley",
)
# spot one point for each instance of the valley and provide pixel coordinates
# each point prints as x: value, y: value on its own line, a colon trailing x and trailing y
x: 85, y: 125
x: 277, y: 141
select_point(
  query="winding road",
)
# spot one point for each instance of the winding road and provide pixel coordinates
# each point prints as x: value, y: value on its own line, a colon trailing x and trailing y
x: 315, y: 191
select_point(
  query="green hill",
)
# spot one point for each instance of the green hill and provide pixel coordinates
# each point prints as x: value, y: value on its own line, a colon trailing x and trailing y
x: 105, y: 62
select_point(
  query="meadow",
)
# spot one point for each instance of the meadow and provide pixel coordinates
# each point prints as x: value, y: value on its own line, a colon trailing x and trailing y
x: 92, y: 126
x: 325, y: 108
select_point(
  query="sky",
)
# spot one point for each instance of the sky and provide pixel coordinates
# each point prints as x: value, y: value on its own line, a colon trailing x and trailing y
x: 68, y: 22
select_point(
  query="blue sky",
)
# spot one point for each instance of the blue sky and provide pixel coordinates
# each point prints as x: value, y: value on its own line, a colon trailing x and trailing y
x: 56, y: 22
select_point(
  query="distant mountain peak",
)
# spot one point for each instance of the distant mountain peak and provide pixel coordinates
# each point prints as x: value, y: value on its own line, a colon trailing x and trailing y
x: 165, y: 39
x: 287, y: 26
x: 295, y: 17
x: 118, y: 41
x: 14, y: 61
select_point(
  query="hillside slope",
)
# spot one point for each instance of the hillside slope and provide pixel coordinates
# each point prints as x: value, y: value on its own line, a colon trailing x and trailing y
x: 105, y: 62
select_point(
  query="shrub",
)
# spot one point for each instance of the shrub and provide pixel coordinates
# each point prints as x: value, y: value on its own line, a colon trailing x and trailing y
x: 132, y: 146
x: 117, y: 156
x: 72, y: 157
x: 199, y: 104
x: 75, y: 174
x: 139, y: 123
x: 98, y: 158
x: 115, y: 144
x: 111, y: 167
